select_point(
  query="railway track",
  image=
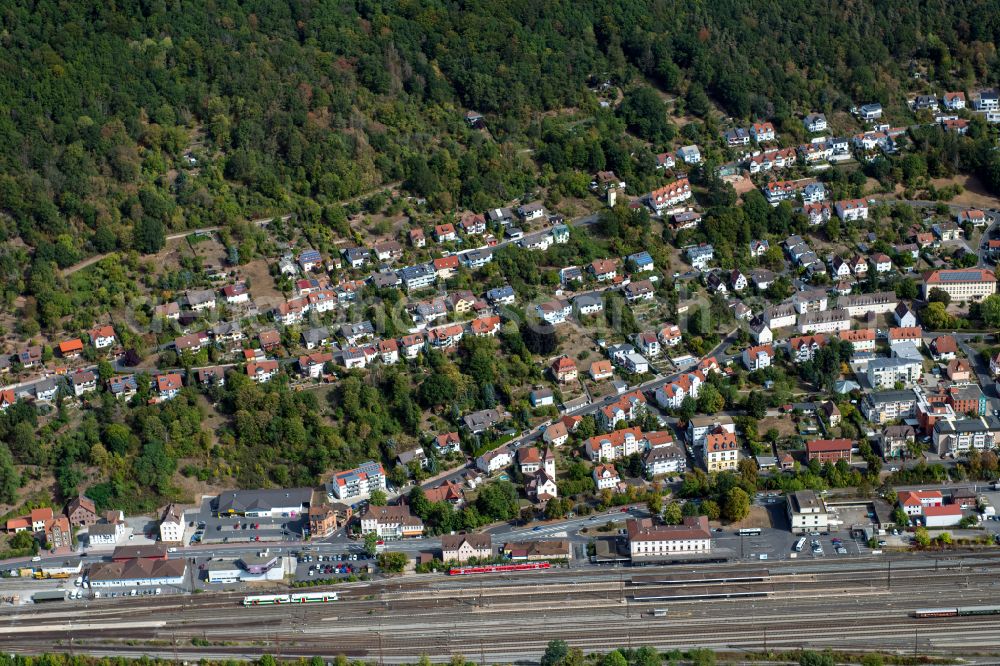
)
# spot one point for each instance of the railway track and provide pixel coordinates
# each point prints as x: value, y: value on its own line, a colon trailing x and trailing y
x: 401, y: 622
x: 398, y: 645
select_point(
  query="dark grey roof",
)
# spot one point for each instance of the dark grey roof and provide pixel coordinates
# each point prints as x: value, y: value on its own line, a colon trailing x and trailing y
x: 239, y: 501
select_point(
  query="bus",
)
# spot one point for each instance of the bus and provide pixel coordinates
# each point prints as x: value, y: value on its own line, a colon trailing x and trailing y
x: 749, y: 531
x: 800, y: 544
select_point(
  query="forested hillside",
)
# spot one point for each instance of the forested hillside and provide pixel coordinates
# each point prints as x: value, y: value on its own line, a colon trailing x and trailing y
x: 283, y: 103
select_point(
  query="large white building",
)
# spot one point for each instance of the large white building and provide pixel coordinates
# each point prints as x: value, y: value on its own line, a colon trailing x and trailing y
x: 827, y: 321
x: 649, y: 541
x: 858, y: 305
x: 807, y: 512
x: 137, y: 572
x: 884, y: 373
x: 355, y: 485
x: 391, y: 522
x: 172, y: 524
x: 962, y: 284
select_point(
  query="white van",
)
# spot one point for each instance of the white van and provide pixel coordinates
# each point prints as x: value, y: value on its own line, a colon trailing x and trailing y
x: 800, y: 544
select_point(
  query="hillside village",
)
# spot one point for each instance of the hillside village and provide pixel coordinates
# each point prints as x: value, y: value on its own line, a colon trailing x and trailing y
x: 560, y: 365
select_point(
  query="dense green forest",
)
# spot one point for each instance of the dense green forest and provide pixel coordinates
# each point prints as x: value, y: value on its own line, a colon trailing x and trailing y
x: 296, y: 105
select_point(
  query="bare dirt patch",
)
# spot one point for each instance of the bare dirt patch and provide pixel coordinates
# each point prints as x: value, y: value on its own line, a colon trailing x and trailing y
x: 262, y: 287
x: 975, y: 193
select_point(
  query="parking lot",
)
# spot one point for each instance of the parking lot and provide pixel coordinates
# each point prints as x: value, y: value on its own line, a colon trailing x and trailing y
x: 203, y: 526
x: 312, y: 566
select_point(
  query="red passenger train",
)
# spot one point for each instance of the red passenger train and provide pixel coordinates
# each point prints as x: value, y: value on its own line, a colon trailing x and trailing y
x: 497, y: 568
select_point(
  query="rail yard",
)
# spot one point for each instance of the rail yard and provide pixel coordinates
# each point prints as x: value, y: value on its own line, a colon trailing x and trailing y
x: 512, y: 616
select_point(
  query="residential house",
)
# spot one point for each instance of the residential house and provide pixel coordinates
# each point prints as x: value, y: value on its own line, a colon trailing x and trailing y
x: 199, y: 299
x: 495, y: 460
x: 986, y: 100
x: 761, y: 333
x: 169, y: 385
x: 481, y: 421
x: 269, y: 339
x: 905, y: 317
x: 849, y: 210
x: 641, y: 262
x: 641, y: 290
x: 954, y: 101
x: 817, y: 213
x: 172, y: 524
x: 564, y: 370
x: 531, y: 211
x: 555, y: 434
x: 590, y: 303
x: 316, y: 337
x: 603, y: 270
x: 262, y: 371
x: 973, y: 216
x: 831, y: 412
x: 758, y: 248
x: 761, y: 132
x: 896, y: 439
x: 71, y: 348
x: 627, y: 408
x: 670, y: 335
x: 943, y: 348
x: 102, y: 337
x: 606, y: 477
x: 82, y: 512
x: 690, y: 155
x: 804, y: 348
x: 170, y: 311
x: 122, y: 386
x: 388, y: 251
x: 312, y: 365
x: 815, y: 122
x: 542, y: 397
x: 870, y: 112
x: 417, y: 277
x: 445, y: 233
x: 959, y: 370
x: 447, y: 443
x: 555, y: 312
x: 699, y: 256
x: 758, y: 357
x: 485, y: 326
x: 501, y: 295
x: 83, y: 381
x: 721, y: 451
x: 462, y: 548
x: 601, y: 370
